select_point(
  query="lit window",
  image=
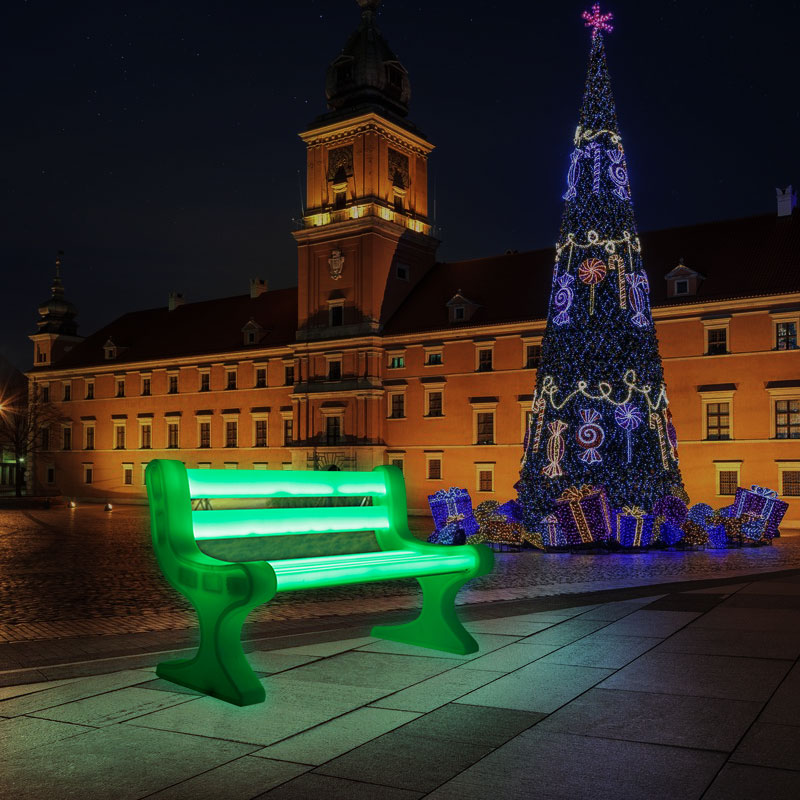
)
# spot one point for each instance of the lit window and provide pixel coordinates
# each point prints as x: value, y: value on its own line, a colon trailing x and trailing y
x: 787, y: 419
x: 397, y: 362
x: 485, y: 360
x: 717, y: 341
x: 434, y: 360
x: 398, y: 406
x: 786, y: 335
x: 790, y: 483
x: 485, y: 427
x: 718, y: 421
x: 728, y: 481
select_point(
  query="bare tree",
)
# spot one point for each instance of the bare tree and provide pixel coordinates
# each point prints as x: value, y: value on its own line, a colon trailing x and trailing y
x: 25, y: 422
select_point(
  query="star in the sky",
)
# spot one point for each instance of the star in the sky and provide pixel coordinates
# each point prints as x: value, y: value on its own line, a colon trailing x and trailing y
x: 597, y: 21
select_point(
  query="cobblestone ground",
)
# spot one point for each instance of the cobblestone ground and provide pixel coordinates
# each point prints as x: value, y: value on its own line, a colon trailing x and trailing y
x: 66, y: 572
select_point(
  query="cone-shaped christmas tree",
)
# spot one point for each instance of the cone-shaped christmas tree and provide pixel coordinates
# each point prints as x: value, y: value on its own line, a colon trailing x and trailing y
x: 600, y: 413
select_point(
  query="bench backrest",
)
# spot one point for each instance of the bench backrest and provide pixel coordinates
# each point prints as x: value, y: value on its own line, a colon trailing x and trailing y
x: 259, y: 533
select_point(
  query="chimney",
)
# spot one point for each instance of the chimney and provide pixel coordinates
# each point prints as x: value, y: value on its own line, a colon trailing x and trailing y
x: 175, y: 300
x: 787, y: 200
x: 257, y: 287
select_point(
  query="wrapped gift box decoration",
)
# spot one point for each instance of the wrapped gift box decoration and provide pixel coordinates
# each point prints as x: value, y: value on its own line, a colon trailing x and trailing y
x: 552, y: 535
x: 672, y: 508
x: 669, y: 533
x: 583, y: 515
x: 452, y: 533
x: 762, y: 502
x: 495, y: 527
x: 754, y: 528
x: 511, y: 510
x: 633, y: 527
x: 700, y: 512
x: 448, y: 505
x: 717, y: 537
x: 694, y: 534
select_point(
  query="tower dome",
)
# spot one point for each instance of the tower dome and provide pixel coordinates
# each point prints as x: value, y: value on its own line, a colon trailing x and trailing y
x: 57, y: 313
x: 367, y: 72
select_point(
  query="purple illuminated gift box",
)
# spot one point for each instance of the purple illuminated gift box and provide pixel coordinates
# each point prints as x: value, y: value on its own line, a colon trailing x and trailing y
x: 583, y: 515
x: 449, y: 504
x: 633, y: 527
x: 717, y: 537
x: 763, y: 503
x: 552, y: 535
x: 670, y: 533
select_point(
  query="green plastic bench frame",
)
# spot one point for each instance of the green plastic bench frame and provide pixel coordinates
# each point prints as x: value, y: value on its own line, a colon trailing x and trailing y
x: 224, y: 592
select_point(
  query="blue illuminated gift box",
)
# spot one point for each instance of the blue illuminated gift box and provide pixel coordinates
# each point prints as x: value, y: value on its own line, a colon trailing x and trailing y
x: 633, y: 527
x: 453, y: 505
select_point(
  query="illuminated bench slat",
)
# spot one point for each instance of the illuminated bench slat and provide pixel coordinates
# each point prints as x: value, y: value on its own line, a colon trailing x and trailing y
x: 224, y: 591
x: 280, y: 521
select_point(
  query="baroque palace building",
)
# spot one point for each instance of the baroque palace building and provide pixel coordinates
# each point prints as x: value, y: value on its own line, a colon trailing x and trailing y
x: 382, y: 355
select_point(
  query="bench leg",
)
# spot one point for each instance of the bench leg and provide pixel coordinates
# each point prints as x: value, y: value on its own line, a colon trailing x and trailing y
x: 437, y: 625
x: 220, y: 668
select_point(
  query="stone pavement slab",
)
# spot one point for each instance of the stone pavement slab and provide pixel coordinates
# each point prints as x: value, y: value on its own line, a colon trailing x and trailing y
x: 744, y: 782
x: 651, y: 623
x: 701, y: 675
x: 684, y: 721
x: 511, y: 657
x: 730, y: 642
x: 557, y: 766
x: 784, y: 706
x: 486, y: 641
x: 121, y: 761
x: 770, y: 745
x: 18, y: 734
x: 601, y: 650
x: 568, y: 631
x: 325, y: 787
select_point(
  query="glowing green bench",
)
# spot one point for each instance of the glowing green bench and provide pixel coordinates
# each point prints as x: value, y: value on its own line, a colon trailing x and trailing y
x: 224, y: 589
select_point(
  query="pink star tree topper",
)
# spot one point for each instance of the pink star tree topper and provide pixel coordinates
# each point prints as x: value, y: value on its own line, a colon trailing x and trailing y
x: 597, y: 21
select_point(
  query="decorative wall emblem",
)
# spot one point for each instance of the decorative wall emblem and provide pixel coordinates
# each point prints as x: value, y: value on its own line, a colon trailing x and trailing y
x: 340, y: 158
x: 336, y: 264
x: 398, y: 168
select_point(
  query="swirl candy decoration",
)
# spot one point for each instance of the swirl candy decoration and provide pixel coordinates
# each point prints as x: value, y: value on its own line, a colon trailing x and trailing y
x: 573, y: 174
x: 618, y: 173
x: 638, y: 288
x: 628, y: 417
x: 617, y: 262
x: 562, y: 299
x: 555, y: 448
x: 591, y: 272
x: 590, y: 436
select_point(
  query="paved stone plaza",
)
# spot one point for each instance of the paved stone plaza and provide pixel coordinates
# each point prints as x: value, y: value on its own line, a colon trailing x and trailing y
x: 683, y: 696
x: 86, y: 571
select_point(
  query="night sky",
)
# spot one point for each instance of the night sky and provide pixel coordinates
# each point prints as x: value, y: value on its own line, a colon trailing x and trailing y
x: 156, y: 142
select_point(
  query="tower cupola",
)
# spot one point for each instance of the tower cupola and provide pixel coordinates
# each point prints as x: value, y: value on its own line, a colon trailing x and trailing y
x: 367, y: 75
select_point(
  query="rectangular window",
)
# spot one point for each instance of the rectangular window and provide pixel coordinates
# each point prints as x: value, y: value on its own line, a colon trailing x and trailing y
x: 172, y: 386
x: 288, y: 432
x: 787, y: 419
x: 261, y: 433
x: 172, y: 435
x: 334, y: 370
x: 145, y: 387
x: 205, y: 381
x: 231, y: 433
x: 205, y: 434
x: 333, y: 430
x: 90, y: 437
x: 261, y: 378
x: 90, y: 390
x: 45, y: 438
x: 397, y: 462
x: 336, y: 316
x: 51, y: 475
x: 434, y: 404
x: 533, y: 354
x: 458, y: 313
x: 66, y: 438
x: 786, y: 335
x: 45, y: 394
x: 67, y: 391
x: 288, y: 376
x: 146, y: 434
x: 127, y: 474
x: 728, y: 481
x: 120, y: 387
x: 119, y: 437
x: 718, y: 421
x: 434, y: 469
x: 717, y: 341
x: 88, y: 474
x: 681, y: 287
x: 485, y: 427
x: 790, y: 483
x: 398, y: 406
x: 434, y: 360
x: 231, y: 379
x: 397, y: 362
x: 485, y: 480
x: 484, y: 360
